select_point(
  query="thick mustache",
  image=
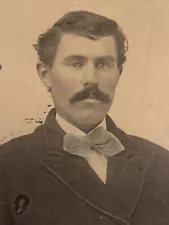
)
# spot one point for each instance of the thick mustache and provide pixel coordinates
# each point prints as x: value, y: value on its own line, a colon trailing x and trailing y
x: 94, y: 93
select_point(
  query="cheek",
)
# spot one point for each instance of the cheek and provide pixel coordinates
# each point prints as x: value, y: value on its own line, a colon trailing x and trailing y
x: 109, y: 81
x: 63, y: 82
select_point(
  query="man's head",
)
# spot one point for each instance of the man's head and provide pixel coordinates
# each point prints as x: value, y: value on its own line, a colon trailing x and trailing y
x: 80, y: 60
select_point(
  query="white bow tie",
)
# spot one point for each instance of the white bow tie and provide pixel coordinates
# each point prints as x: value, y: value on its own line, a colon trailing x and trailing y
x: 99, y: 139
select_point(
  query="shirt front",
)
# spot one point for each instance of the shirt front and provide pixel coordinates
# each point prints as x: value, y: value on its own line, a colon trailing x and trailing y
x: 96, y: 160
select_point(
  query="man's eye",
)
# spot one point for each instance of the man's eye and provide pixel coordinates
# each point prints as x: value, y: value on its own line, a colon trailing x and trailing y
x: 103, y: 65
x: 76, y: 65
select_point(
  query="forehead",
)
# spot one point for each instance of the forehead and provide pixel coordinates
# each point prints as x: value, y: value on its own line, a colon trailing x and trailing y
x: 76, y: 45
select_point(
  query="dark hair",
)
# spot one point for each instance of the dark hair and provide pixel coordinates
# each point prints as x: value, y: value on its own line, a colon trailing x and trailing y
x: 82, y: 23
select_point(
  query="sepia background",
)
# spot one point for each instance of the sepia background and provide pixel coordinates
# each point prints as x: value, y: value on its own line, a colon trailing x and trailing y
x: 141, y: 105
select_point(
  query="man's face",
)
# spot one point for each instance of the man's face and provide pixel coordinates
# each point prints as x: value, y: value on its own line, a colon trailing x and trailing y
x: 83, y: 78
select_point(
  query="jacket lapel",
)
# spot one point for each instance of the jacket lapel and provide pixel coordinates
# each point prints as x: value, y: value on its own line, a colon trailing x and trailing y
x: 125, y: 179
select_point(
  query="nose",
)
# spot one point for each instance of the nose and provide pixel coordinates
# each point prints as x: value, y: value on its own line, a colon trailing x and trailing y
x: 90, y: 75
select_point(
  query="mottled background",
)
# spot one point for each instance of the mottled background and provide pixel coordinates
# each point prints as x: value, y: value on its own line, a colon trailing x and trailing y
x: 141, y: 106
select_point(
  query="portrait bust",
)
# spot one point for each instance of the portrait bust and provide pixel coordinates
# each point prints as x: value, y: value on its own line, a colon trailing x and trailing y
x: 78, y: 167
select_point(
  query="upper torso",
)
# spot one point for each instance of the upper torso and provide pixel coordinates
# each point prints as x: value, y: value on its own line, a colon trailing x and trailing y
x: 64, y: 189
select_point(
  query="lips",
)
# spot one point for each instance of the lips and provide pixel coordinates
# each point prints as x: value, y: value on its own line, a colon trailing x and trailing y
x: 90, y: 95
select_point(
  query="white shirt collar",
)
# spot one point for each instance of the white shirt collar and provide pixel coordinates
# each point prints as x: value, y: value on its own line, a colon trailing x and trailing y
x: 69, y: 128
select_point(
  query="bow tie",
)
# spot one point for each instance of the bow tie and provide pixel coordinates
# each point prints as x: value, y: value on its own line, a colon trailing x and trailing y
x: 99, y: 140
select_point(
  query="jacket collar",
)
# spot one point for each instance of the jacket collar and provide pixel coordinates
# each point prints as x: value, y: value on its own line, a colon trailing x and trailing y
x: 126, y: 172
x: 53, y: 131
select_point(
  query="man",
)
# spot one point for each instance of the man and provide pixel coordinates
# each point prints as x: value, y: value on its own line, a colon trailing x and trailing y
x: 79, y: 167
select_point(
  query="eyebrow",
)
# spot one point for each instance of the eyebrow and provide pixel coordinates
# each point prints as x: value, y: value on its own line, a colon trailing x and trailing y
x: 84, y: 58
x: 74, y: 57
x: 105, y: 58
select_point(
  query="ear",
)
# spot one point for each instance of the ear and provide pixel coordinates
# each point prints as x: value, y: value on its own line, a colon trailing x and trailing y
x: 43, y: 73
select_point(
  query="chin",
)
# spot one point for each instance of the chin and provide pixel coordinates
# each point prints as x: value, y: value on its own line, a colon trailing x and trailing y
x: 90, y: 117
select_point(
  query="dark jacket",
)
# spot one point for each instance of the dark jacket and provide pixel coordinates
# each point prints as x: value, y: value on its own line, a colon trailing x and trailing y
x: 40, y: 184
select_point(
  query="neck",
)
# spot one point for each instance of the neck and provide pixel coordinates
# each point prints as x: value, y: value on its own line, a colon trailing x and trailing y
x: 86, y: 128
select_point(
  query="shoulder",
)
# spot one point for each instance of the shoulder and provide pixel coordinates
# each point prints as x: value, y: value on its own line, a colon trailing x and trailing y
x: 15, y: 143
x: 21, y: 147
x: 142, y: 144
x: 147, y: 145
x: 132, y: 142
x: 157, y: 156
